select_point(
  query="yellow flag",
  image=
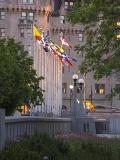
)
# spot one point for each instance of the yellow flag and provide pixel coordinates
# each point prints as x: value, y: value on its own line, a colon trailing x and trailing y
x: 59, y: 49
x: 89, y: 105
x: 36, y: 33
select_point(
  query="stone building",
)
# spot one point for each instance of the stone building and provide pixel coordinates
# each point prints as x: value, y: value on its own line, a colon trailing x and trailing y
x: 97, y: 90
x: 16, y: 20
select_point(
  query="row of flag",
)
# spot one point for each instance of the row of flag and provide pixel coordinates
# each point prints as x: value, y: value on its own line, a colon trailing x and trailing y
x: 49, y: 45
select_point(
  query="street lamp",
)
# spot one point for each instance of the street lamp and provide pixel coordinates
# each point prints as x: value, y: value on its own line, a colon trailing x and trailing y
x: 75, y: 78
x: 81, y: 83
x: 82, y: 90
x: 74, y: 105
x: 71, y: 93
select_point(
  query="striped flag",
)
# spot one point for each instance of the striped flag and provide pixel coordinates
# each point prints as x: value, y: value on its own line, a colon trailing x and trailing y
x: 45, y: 41
x: 64, y: 42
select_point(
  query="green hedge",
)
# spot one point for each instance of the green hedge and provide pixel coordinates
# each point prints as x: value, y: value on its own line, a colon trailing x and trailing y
x: 36, y: 147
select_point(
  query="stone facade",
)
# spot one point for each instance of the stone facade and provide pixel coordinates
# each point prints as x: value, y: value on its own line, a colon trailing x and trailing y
x: 16, y: 20
x: 75, y: 35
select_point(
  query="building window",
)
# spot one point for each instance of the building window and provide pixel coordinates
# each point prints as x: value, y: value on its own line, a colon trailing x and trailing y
x: 22, y: 33
x: 100, y: 89
x: 64, y: 88
x: 29, y: 32
x: 71, y: 4
x: 30, y: 15
x: 62, y: 19
x: 2, y: 32
x: 27, y: 1
x: 66, y: 5
x: 80, y: 37
x: 2, y: 15
x: 24, y: 15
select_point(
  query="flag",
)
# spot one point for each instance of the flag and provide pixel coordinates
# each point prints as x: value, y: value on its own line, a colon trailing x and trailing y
x: 61, y: 60
x: 45, y: 43
x: 74, y: 59
x: 64, y: 42
x: 55, y: 48
x: 37, y: 34
x: 66, y: 59
x: 59, y: 49
x: 89, y: 106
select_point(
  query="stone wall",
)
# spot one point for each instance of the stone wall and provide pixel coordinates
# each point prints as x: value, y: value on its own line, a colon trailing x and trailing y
x: 14, y: 128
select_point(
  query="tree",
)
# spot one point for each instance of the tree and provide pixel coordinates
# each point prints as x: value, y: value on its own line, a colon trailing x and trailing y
x: 19, y: 82
x: 101, y: 50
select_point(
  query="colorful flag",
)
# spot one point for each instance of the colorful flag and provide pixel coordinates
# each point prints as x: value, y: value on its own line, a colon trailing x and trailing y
x: 64, y: 42
x: 55, y: 48
x: 37, y: 34
x: 89, y: 106
x: 66, y: 59
x: 59, y: 49
x: 45, y: 43
x: 49, y: 45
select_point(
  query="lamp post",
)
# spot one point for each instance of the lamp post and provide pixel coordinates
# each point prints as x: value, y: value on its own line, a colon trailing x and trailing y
x: 82, y: 90
x: 71, y: 93
x: 74, y: 106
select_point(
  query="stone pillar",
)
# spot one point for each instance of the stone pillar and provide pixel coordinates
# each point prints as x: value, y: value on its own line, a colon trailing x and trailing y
x: 86, y: 124
x: 2, y: 128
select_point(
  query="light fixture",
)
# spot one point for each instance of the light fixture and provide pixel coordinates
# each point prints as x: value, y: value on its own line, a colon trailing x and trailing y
x: 71, y: 86
x: 118, y: 24
x: 75, y: 77
x: 81, y: 81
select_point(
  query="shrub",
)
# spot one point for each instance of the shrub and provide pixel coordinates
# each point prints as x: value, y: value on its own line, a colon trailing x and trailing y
x: 38, y: 146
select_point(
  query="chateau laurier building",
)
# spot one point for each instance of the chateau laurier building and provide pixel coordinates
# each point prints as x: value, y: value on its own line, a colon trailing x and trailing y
x: 17, y: 18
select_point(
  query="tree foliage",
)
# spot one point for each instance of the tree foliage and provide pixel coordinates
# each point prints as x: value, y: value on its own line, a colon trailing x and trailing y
x: 101, y: 49
x: 19, y: 82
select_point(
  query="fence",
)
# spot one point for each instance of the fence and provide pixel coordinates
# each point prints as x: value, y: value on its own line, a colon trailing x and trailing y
x: 12, y: 128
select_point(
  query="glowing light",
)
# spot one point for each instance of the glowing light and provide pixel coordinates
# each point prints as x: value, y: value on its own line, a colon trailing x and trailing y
x: 118, y: 36
x: 118, y: 24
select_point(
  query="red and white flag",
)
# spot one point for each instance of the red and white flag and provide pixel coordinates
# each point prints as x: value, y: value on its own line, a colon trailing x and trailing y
x: 63, y: 42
